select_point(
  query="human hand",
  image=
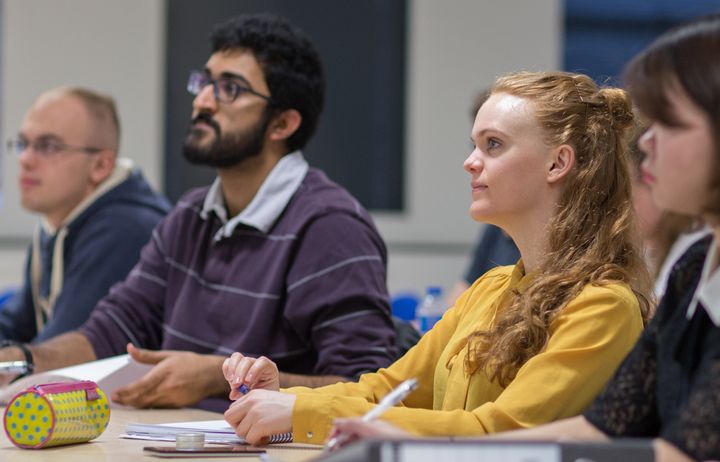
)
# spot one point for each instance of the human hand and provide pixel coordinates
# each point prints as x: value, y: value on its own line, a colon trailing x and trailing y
x: 667, y: 452
x: 255, y: 373
x: 345, y: 431
x: 261, y: 414
x: 179, y: 379
x: 7, y: 378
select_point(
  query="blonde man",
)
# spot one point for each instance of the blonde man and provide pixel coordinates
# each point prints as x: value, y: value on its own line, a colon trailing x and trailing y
x: 96, y: 212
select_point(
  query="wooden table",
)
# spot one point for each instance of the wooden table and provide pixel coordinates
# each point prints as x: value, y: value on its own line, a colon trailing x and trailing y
x: 109, y: 447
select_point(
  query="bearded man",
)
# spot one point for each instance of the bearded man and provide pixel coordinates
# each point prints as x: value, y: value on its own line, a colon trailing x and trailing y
x: 273, y: 259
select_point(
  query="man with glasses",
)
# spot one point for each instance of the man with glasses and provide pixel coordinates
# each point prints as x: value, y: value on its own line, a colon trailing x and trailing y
x: 97, y: 212
x: 272, y: 259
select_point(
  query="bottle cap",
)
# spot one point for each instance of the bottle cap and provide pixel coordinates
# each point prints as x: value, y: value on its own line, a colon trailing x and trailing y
x: 189, y: 441
x: 434, y: 290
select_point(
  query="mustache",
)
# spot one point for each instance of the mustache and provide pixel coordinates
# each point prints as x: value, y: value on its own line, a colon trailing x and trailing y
x: 206, y: 118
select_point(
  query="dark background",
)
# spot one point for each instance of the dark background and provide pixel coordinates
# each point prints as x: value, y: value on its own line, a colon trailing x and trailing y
x: 602, y: 36
x: 360, y: 138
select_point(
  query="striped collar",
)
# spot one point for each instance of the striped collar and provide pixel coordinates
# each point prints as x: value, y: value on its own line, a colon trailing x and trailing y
x: 269, y: 202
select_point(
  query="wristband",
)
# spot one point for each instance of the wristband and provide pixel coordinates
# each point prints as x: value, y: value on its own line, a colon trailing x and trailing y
x: 30, y: 363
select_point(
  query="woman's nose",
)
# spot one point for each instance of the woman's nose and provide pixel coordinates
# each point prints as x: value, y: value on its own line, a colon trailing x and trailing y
x: 473, y: 162
x: 646, y: 143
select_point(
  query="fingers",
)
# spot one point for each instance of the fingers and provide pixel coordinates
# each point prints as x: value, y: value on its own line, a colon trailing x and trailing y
x: 260, y: 414
x: 344, y: 432
x: 243, y: 427
x: 237, y: 373
x: 228, y: 370
x: 334, y: 432
x: 144, y: 356
x: 235, y: 415
x: 237, y: 369
x: 247, y: 413
x: 230, y: 364
x: 141, y: 393
x: 6, y: 379
x: 262, y: 370
x: 241, y: 373
x: 336, y: 428
x: 257, y: 436
x: 253, y: 372
x: 343, y: 429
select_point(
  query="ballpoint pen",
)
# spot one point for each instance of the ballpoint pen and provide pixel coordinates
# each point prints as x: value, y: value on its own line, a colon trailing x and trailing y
x: 13, y: 367
x: 243, y: 389
x: 390, y: 400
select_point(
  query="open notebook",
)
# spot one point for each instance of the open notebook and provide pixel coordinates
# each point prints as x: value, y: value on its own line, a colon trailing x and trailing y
x: 216, y: 431
x: 109, y: 374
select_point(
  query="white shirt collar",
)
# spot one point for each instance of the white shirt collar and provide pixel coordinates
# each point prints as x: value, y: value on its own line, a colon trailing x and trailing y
x: 708, y: 289
x: 679, y: 247
x: 269, y: 202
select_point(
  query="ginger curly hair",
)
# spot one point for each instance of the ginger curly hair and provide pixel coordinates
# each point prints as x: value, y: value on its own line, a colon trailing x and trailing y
x: 594, y: 237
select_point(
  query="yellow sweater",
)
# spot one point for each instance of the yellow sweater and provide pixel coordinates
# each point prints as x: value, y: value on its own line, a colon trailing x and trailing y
x: 589, y: 339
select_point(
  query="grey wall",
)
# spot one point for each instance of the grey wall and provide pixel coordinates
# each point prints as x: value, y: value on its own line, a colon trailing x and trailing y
x: 112, y: 46
x: 454, y: 48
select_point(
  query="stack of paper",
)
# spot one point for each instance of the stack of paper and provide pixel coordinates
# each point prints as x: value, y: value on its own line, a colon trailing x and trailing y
x: 216, y: 431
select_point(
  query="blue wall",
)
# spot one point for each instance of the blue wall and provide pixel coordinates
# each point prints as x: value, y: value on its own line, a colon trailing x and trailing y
x: 602, y: 36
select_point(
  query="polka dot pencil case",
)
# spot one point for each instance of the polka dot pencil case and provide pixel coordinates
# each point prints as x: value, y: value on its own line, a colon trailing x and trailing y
x: 54, y: 414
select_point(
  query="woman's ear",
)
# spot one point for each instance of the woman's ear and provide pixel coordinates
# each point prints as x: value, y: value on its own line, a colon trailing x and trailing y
x: 562, y: 161
x: 285, y: 124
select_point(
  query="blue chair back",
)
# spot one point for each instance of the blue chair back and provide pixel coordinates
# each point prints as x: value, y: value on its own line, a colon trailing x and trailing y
x: 6, y: 294
x: 404, y: 305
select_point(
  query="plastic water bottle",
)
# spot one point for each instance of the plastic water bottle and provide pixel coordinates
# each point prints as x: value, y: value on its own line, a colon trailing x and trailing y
x: 431, y: 309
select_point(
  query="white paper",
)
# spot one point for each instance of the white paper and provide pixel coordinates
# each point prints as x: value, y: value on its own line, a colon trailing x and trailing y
x: 216, y: 431
x: 109, y: 374
x: 202, y: 426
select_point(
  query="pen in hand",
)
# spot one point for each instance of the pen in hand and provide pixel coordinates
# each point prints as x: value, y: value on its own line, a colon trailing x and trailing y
x: 243, y: 389
x: 390, y: 400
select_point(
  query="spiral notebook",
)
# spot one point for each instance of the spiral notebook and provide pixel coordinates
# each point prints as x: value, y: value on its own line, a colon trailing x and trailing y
x: 216, y: 431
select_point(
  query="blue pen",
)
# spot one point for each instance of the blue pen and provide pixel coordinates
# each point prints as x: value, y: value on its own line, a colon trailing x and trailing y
x: 243, y: 389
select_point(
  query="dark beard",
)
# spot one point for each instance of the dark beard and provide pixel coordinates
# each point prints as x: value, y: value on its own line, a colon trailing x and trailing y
x: 227, y: 150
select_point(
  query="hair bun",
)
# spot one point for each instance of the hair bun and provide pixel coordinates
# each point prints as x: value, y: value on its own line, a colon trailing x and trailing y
x: 618, y: 106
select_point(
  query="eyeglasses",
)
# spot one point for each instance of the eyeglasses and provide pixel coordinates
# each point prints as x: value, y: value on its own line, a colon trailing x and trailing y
x: 226, y: 90
x: 46, y: 148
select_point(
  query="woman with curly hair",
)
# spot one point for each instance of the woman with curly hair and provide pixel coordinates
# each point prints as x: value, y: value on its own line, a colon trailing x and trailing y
x: 525, y: 344
x: 668, y: 388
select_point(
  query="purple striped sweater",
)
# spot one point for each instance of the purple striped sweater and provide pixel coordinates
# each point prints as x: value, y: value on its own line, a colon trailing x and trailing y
x: 310, y: 294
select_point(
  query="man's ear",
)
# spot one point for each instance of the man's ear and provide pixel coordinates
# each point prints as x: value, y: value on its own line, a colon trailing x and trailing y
x: 284, y: 125
x: 102, y: 166
x: 561, y: 162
